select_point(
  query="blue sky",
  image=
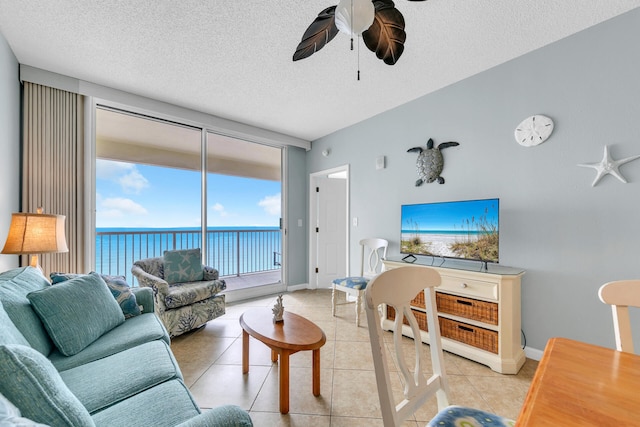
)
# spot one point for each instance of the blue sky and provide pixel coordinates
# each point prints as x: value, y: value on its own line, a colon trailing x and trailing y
x: 134, y: 195
x: 448, y: 216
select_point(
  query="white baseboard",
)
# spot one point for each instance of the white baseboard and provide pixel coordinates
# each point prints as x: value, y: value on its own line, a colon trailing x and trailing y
x: 533, y: 353
x: 254, y: 292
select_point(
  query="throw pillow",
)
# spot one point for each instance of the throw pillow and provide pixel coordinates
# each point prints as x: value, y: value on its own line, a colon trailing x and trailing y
x: 122, y: 293
x: 77, y: 312
x: 183, y: 266
x: 32, y: 383
x: 117, y: 285
x: 63, y: 277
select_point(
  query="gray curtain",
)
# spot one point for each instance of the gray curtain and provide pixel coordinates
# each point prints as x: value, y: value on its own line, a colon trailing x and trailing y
x: 53, y: 167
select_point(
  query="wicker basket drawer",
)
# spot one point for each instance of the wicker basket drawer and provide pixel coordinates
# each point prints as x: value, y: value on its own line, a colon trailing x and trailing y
x: 471, y: 335
x: 469, y: 287
x: 418, y: 301
x: 421, y: 317
x: 469, y: 308
x: 458, y: 331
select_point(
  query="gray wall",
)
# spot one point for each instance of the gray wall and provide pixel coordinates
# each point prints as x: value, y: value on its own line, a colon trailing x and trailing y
x: 296, y: 209
x: 569, y: 237
x: 9, y: 146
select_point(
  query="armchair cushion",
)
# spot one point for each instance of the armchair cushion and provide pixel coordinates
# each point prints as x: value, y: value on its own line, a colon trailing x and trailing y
x: 31, y: 382
x: 90, y: 311
x: 182, y: 294
x: 183, y: 266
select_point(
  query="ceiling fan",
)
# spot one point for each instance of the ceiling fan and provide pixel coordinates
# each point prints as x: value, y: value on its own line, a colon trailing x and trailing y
x: 378, y: 21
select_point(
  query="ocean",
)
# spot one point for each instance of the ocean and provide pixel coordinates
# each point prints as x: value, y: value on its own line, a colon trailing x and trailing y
x: 231, y: 250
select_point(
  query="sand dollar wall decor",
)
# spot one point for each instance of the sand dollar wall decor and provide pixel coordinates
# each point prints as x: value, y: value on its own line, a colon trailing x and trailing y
x: 533, y: 130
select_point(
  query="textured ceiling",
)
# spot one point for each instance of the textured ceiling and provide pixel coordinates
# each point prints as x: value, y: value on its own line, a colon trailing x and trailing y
x: 233, y: 59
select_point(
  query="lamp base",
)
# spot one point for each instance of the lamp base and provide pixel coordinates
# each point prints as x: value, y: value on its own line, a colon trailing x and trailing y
x: 34, y: 262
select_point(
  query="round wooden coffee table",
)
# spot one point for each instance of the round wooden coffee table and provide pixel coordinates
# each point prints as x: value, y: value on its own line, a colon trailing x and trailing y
x: 284, y: 339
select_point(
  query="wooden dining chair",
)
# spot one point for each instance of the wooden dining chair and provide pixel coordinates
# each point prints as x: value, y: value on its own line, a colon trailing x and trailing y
x: 373, y: 251
x: 621, y: 295
x: 396, y: 288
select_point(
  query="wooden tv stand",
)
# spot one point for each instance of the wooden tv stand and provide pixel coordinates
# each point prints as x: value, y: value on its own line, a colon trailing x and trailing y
x: 478, y: 312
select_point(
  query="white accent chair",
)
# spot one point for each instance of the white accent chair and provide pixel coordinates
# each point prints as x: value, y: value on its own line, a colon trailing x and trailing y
x: 356, y: 285
x: 396, y: 288
x: 621, y: 295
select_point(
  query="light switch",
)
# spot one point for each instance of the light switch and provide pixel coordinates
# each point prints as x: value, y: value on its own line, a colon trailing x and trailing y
x: 299, y: 223
x: 355, y: 221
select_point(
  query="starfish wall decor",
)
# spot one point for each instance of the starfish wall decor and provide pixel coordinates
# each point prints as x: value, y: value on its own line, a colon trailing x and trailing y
x: 608, y: 166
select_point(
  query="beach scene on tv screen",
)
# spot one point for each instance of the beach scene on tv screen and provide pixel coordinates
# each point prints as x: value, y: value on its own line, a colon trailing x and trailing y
x: 465, y: 229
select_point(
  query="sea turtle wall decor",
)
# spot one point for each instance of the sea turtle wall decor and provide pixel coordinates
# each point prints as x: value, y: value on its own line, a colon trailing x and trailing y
x: 430, y: 162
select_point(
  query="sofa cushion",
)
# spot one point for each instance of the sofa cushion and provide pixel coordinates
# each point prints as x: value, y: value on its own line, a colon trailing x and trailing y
x: 15, y: 284
x: 77, y: 312
x: 10, y: 416
x: 30, y: 382
x: 183, y: 266
x: 183, y: 294
x: 147, y: 409
x: 134, y: 331
x: 107, y: 381
x: 9, y: 334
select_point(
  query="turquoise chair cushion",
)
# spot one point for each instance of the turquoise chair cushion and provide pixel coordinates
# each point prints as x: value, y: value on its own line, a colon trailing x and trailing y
x: 455, y: 416
x: 9, y: 334
x: 77, y: 312
x: 355, y: 282
x: 35, y: 387
x: 183, y: 266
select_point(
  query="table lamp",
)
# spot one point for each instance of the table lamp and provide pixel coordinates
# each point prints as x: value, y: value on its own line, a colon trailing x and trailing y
x: 35, y: 233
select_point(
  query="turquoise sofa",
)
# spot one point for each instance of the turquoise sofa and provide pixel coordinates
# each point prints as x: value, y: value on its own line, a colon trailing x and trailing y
x: 70, y: 357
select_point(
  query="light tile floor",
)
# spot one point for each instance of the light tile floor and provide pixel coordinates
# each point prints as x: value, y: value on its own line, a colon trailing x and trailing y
x: 211, y: 361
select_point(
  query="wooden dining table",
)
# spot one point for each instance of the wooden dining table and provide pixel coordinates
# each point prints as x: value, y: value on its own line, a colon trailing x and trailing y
x: 580, y: 384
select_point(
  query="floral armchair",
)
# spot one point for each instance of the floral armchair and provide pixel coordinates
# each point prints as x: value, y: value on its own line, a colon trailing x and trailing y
x: 187, y: 294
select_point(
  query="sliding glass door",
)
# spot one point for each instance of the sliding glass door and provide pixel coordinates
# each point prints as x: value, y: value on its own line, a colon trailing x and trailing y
x: 159, y: 187
x: 244, y: 211
x: 148, y: 189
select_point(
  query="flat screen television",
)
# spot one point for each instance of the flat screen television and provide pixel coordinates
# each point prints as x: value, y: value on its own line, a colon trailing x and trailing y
x: 467, y: 229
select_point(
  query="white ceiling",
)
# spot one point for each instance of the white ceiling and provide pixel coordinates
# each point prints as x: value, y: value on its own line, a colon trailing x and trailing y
x: 233, y: 58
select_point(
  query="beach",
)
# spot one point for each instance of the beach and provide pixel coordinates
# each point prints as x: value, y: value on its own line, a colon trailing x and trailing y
x: 438, y: 244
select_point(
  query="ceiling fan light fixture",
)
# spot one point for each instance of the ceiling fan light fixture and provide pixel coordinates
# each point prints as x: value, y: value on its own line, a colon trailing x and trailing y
x: 353, y: 17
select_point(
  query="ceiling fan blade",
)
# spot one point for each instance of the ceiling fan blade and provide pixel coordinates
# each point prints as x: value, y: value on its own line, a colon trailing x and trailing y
x: 320, y: 32
x: 386, y: 35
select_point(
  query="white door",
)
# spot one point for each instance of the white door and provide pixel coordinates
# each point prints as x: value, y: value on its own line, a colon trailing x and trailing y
x: 329, y: 230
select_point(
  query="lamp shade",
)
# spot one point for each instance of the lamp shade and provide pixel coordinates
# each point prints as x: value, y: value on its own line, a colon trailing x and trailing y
x: 35, y: 233
x: 353, y: 17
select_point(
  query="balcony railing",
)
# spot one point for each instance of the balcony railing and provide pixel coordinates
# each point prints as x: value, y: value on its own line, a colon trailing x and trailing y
x: 232, y: 252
